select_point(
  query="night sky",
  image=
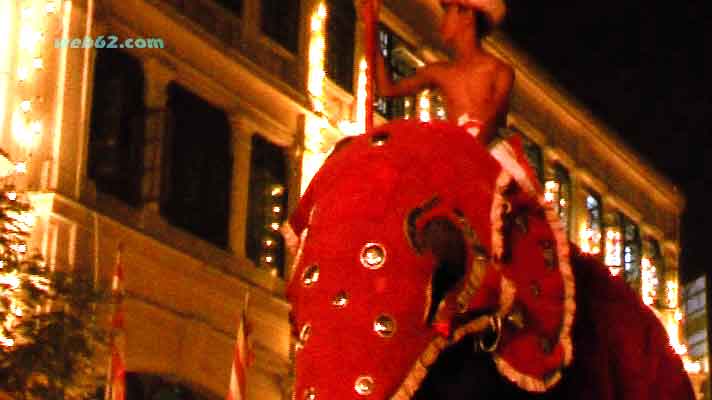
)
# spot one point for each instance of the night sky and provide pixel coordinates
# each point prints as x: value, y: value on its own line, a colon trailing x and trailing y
x: 643, y: 68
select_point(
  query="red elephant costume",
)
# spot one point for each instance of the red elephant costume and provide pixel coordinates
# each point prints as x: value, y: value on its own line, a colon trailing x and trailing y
x: 362, y: 279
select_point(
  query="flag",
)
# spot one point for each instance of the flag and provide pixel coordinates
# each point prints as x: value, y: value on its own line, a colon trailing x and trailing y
x: 116, y: 387
x: 242, y: 358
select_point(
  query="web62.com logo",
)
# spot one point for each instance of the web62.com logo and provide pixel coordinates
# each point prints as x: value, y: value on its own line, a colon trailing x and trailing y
x: 109, y: 42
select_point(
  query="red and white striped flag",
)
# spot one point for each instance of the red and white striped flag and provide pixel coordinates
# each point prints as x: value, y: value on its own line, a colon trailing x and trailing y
x: 242, y: 359
x: 116, y: 388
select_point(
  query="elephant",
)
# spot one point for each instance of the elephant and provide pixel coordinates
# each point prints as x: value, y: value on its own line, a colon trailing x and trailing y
x: 427, y: 266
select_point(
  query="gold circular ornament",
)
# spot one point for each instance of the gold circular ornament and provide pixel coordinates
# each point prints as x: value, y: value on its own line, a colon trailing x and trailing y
x: 373, y: 256
x: 310, y: 275
x: 305, y: 333
x: 310, y: 394
x: 380, y: 139
x: 364, y: 385
x: 384, y: 326
x: 341, y: 299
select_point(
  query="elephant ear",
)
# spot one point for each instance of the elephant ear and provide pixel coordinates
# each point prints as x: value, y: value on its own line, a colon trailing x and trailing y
x: 533, y: 254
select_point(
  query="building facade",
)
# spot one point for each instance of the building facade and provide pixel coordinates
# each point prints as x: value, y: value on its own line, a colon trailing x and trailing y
x: 695, y: 295
x: 184, y: 148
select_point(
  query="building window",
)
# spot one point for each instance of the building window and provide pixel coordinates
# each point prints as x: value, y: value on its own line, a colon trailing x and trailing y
x: 267, y: 205
x: 631, y: 253
x: 590, y: 231
x: 280, y: 21
x: 116, y: 135
x: 233, y: 5
x: 400, y: 64
x: 557, y: 190
x: 340, y: 42
x: 198, y: 172
x: 533, y: 153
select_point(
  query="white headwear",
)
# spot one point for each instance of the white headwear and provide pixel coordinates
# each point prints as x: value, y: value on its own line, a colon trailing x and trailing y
x: 494, y: 10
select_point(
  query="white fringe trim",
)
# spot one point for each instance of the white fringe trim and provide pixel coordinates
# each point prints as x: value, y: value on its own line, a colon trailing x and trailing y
x: 500, y: 207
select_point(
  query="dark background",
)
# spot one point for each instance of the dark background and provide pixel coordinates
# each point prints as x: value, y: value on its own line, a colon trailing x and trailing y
x: 643, y: 67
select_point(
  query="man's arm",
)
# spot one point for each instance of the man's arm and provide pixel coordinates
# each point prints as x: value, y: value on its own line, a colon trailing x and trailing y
x: 423, y: 77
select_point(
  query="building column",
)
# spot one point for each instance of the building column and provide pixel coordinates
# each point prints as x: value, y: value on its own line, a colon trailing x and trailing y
x: 242, y: 154
x: 157, y: 78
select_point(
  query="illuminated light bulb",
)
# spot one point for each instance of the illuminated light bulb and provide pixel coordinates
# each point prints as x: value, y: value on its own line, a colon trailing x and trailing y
x: 37, y: 63
x: 7, y: 342
x: 321, y: 11
x: 274, y: 226
x: 27, y: 38
x: 269, y: 259
x: 424, y: 106
x: 268, y: 243
x: 276, y: 209
x: 277, y: 191
x: 36, y: 127
x: 274, y: 272
x: 10, y: 280
x: 12, y: 196
x: 23, y: 74
x: 21, y: 167
x: 26, y: 105
x: 21, y: 248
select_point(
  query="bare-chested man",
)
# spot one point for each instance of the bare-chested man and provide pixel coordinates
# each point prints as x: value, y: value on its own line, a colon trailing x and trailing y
x: 475, y: 84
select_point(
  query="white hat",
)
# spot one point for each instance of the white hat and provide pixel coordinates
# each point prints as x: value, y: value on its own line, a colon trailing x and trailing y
x: 494, y: 10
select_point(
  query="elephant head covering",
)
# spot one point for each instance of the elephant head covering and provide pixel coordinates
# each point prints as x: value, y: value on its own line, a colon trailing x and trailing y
x: 367, y: 322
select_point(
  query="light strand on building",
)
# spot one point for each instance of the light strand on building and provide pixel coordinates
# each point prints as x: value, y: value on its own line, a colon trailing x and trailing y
x: 612, y: 258
x: 649, y: 281
x: 424, y: 106
x: 589, y: 239
x: 317, y: 49
x: 268, y: 256
x: 313, y: 156
x: 551, y: 191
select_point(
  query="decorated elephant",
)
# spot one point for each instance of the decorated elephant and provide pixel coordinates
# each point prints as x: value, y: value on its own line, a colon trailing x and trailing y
x: 429, y: 267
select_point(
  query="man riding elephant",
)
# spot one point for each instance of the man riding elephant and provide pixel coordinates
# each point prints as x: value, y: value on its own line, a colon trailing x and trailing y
x: 429, y: 267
